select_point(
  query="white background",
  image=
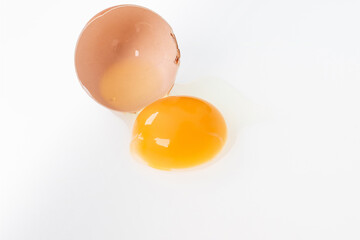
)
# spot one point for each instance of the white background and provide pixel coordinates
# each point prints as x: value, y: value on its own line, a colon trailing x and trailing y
x: 292, y: 173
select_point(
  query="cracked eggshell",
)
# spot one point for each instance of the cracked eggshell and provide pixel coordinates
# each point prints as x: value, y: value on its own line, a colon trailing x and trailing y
x: 127, y: 32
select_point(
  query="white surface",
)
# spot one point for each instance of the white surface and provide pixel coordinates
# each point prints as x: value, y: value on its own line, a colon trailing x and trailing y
x: 65, y: 168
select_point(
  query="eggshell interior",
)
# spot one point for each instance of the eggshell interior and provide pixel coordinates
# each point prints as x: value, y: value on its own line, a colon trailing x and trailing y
x: 127, y: 32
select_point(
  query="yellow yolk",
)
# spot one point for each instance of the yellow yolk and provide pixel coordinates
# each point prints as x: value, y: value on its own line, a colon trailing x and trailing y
x: 178, y: 132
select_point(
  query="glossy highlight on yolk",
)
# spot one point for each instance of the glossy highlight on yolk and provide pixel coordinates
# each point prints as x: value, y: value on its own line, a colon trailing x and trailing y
x: 178, y: 132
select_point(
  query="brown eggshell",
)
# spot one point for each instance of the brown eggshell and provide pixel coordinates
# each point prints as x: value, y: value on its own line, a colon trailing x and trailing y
x: 126, y: 32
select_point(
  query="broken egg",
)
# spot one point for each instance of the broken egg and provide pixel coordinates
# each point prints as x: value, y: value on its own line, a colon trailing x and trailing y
x: 127, y: 57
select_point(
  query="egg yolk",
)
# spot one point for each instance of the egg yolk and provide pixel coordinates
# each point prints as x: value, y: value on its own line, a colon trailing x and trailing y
x: 178, y: 132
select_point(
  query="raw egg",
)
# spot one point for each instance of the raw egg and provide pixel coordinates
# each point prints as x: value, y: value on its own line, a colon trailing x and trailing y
x: 178, y: 132
x: 127, y: 57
